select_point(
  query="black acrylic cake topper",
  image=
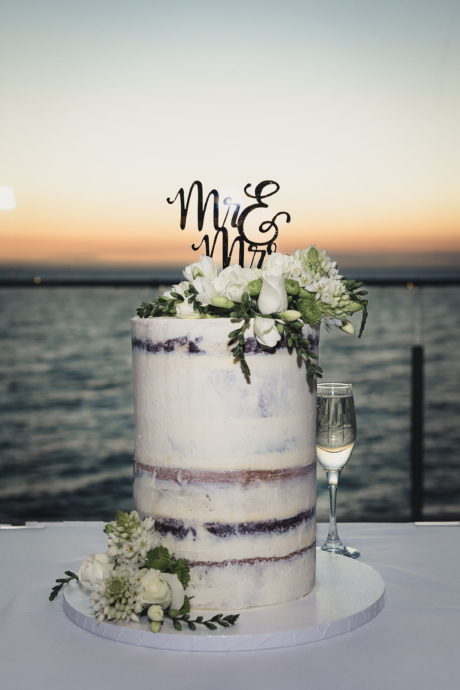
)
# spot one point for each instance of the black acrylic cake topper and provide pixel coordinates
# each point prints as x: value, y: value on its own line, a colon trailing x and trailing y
x: 237, y: 221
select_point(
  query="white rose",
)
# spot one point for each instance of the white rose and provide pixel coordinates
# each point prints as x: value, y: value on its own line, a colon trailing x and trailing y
x: 277, y: 265
x: 247, y: 274
x: 236, y: 290
x: 273, y: 296
x: 235, y: 272
x: 155, y: 590
x: 96, y: 567
x: 206, y: 267
x: 163, y: 589
x: 266, y: 331
x: 231, y: 272
x: 220, y: 283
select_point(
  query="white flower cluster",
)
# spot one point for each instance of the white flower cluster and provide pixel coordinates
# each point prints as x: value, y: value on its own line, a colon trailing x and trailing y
x: 118, y: 597
x: 130, y: 542
x: 312, y: 270
x: 230, y: 283
x: 319, y: 275
x: 127, y: 591
x: 120, y: 586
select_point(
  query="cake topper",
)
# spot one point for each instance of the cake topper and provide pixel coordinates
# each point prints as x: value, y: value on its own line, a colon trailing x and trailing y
x: 237, y: 221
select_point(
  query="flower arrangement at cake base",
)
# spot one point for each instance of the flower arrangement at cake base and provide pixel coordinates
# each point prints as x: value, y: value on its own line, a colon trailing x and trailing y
x: 138, y: 577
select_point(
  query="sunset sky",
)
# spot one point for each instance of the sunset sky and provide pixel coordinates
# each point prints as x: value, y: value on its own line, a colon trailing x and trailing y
x: 108, y: 107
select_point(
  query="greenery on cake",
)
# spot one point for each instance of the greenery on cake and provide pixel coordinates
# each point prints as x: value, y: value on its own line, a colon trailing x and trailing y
x: 287, y: 293
x: 138, y: 577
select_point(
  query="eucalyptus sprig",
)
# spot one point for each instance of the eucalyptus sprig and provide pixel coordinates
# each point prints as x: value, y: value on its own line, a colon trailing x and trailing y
x: 184, y: 616
x: 162, y: 306
x: 62, y: 581
x: 242, y: 312
x: 352, y: 286
x: 191, y: 294
x: 295, y: 339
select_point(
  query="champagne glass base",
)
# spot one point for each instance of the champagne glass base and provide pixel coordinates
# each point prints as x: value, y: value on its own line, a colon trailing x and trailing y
x: 341, y: 550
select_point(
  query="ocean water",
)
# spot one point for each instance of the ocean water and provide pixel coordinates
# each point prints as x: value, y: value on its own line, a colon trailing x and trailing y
x: 66, y: 405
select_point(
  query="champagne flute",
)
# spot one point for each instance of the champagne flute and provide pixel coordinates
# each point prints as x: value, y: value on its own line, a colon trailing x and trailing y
x: 335, y: 438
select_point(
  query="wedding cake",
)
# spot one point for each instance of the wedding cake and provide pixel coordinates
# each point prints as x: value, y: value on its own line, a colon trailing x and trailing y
x: 225, y: 367
x: 224, y: 463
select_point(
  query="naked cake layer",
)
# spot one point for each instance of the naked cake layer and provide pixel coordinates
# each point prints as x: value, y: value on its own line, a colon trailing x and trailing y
x: 226, y: 466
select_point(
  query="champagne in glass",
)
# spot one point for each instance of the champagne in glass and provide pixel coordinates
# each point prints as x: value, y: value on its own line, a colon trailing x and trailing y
x: 335, y: 438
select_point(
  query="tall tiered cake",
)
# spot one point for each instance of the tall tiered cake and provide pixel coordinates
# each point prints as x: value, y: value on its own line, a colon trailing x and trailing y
x: 226, y: 465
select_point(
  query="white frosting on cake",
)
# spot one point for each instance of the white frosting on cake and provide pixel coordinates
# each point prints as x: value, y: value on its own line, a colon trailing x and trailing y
x: 226, y: 466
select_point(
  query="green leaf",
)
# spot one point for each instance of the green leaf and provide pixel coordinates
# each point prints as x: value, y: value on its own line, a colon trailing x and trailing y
x: 108, y: 529
x: 186, y: 605
x: 182, y: 569
x: 191, y: 625
x: 211, y: 626
x: 173, y: 613
x: 177, y: 625
x: 159, y: 558
x: 245, y: 367
x: 121, y: 517
x: 57, y: 588
x: 232, y: 618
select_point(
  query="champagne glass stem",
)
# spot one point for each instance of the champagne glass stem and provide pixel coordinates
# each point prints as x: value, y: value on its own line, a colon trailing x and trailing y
x: 333, y: 483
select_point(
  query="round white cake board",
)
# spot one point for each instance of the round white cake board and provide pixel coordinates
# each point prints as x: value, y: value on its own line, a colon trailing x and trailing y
x: 347, y: 594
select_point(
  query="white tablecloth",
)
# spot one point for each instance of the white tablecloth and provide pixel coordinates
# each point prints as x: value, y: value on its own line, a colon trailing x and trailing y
x: 414, y: 643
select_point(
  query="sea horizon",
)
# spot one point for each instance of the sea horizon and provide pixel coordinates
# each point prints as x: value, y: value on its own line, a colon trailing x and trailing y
x: 66, y: 406
x: 399, y: 266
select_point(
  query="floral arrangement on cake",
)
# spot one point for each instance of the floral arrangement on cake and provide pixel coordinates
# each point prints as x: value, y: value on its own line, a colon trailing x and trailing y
x: 286, y: 293
x: 136, y: 577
